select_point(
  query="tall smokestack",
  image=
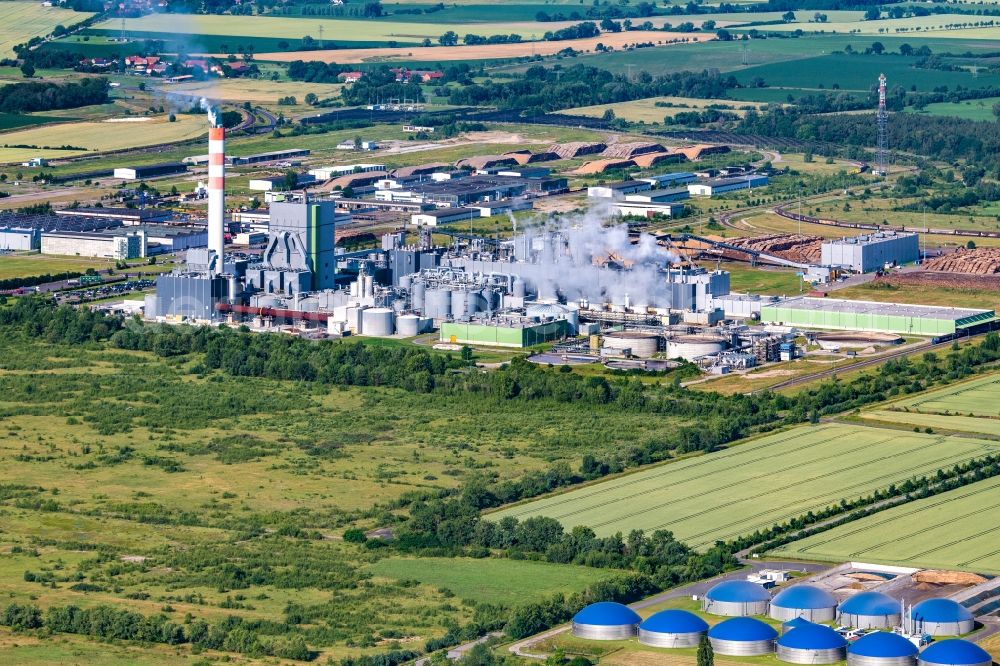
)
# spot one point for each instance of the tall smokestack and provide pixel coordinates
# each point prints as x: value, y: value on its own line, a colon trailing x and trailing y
x: 216, y: 191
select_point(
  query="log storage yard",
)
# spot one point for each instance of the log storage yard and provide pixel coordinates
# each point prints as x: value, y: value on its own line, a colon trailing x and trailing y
x: 403, y: 333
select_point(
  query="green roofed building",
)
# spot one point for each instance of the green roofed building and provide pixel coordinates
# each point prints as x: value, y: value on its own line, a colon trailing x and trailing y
x: 507, y: 332
x: 847, y: 315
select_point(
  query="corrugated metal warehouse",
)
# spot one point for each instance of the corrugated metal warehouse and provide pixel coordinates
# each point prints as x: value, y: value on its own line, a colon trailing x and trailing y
x: 847, y: 315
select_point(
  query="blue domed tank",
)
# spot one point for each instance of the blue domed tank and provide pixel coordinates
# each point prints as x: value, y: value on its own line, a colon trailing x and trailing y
x: 955, y: 652
x: 942, y: 617
x: 812, y: 644
x: 882, y: 648
x: 672, y: 628
x: 870, y: 610
x: 742, y: 637
x: 605, y: 621
x: 737, y: 598
x: 807, y: 601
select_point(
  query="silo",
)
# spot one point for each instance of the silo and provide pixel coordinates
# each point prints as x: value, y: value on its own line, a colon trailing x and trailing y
x: 869, y: 610
x: 672, y: 628
x: 812, y: 644
x: 417, y: 295
x: 479, y: 301
x: 882, y: 648
x: 941, y: 617
x: 437, y: 304
x: 736, y: 598
x: 408, y: 325
x: 691, y: 347
x: 605, y: 621
x: 742, y: 637
x: 460, y: 304
x: 643, y: 345
x: 520, y: 288
x: 378, y: 322
x: 954, y: 652
x: 807, y: 601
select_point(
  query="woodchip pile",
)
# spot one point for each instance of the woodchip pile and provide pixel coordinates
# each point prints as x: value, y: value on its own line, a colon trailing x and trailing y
x: 794, y: 247
x: 981, y: 261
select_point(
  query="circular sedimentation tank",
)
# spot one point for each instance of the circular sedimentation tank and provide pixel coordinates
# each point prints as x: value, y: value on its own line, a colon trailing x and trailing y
x: 812, y: 644
x: 642, y: 344
x: 606, y: 621
x: 856, y: 339
x: 806, y: 601
x: 954, y: 652
x: 672, y: 628
x: 882, y: 648
x: 942, y: 617
x: 736, y: 598
x: 742, y: 637
x: 690, y: 347
x: 869, y: 610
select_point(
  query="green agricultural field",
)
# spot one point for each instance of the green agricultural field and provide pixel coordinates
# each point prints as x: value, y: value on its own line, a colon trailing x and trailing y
x: 9, y: 121
x: 761, y: 280
x: 945, y: 26
x: 22, y: 20
x: 978, y: 397
x: 936, y: 422
x: 648, y: 111
x: 489, y: 580
x: 973, y: 109
x: 954, y: 530
x: 753, y: 485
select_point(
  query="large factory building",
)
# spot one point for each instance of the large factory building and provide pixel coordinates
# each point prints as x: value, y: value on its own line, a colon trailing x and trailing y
x: 505, y: 332
x: 864, y: 254
x: 870, y: 316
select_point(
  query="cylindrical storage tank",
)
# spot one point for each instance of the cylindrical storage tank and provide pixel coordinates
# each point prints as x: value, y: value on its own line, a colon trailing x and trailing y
x: 405, y: 282
x: 643, y: 345
x: 408, y: 325
x: 736, y: 598
x: 742, y: 637
x: 437, y: 304
x: 869, y: 610
x: 672, y: 628
x: 942, y: 617
x: 806, y: 601
x: 479, y: 301
x: 691, y: 347
x: 812, y: 644
x: 520, y: 289
x: 882, y: 648
x: 954, y: 652
x: 417, y: 296
x: 605, y: 621
x: 573, y: 318
x: 459, y: 304
x: 378, y: 322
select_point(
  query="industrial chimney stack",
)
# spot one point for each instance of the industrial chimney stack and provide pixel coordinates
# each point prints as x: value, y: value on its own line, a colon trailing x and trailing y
x: 216, y: 191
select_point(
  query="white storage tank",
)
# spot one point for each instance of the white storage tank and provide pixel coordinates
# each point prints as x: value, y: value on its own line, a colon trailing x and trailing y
x: 378, y: 322
x: 417, y: 295
x: 691, y: 347
x: 460, y: 304
x: 408, y: 325
x: 437, y: 304
x: 641, y: 344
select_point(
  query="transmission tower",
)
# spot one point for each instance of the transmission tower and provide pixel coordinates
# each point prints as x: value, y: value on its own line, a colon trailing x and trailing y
x: 882, y: 119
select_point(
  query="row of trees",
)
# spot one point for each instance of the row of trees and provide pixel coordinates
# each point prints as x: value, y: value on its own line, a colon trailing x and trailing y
x: 45, y: 96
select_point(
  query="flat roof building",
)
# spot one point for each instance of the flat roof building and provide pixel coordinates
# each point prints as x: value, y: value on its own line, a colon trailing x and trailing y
x: 670, y: 179
x: 433, y: 218
x: 847, y: 315
x: 864, y: 254
x: 127, y: 216
x: 648, y: 210
x: 619, y: 190
x: 659, y: 195
x: 710, y: 188
x: 150, y: 171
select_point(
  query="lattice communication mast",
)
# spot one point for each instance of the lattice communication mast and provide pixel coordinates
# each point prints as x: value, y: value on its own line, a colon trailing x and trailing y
x: 882, y: 119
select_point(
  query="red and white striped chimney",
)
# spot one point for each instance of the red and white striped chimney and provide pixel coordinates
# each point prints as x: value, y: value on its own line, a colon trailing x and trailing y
x: 217, y: 193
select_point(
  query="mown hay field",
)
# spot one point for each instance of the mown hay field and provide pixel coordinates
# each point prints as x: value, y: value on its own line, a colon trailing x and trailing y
x: 954, y: 530
x: 20, y: 21
x: 753, y: 485
x: 646, y: 110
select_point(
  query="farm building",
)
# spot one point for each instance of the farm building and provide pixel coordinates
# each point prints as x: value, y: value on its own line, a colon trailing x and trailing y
x: 742, y: 637
x: 942, y: 617
x: 150, y: 171
x: 954, y: 652
x: 693, y: 153
x: 631, y: 150
x: 672, y: 628
x: 864, y: 254
x: 618, y: 190
x: 648, y: 160
x: 568, y: 151
x: 869, y: 316
x: 710, y: 188
x: 433, y: 218
x: 812, y: 644
x: 596, y: 167
x: 882, y: 648
x: 736, y: 597
x: 869, y: 610
x: 805, y: 601
x: 605, y: 620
